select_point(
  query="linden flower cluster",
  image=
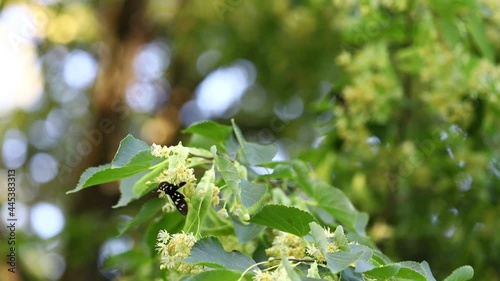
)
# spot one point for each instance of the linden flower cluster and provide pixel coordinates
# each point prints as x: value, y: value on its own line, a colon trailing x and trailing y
x: 277, y: 275
x: 175, y: 175
x: 177, y: 171
x: 287, y: 245
x: 173, y: 249
x: 160, y: 150
x: 239, y: 210
x: 213, y: 190
x: 280, y: 274
x: 372, y: 88
x: 314, y: 252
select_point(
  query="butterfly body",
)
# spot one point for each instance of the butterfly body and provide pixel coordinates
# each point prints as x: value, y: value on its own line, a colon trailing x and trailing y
x: 177, y: 197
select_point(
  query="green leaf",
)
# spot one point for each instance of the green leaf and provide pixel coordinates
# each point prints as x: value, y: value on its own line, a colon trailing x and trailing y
x: 130, y: 260
x: 287, y: 219
x: 210, y: 129
x: 411, y: 271
x: 140, y: 187
x: 478, y: 32
x: 336, y: 203
x: 339, y: 261
x: 251, y: 193
x: 318, y: 233
x: 102, y: 174
x: 256, y: 154
x: 449, y: 30
x: 214, y: 275
x: 364, y: 262
x: 231, y: 145
x: 133, y: 157
x: 367, y: 253
x: 363, y: 266
x: 329, y: 198
x: 127, y: 194
x: 132, y: 151
x: 229, y: 173
x: 361, y: 223
x: 292, y: 275
x: 252, y: 153
x: 147, y: 211
x: 282, y: 170
x: 350, y: 275
x: 427, y: 271
x: 200, y: 152
x: 209, y: 252
x: 340, y: 239
x: 246, y: 232
x: 462, y: 273
x: 383, y: 272
x: 237, y: 133
x: 200, y: 205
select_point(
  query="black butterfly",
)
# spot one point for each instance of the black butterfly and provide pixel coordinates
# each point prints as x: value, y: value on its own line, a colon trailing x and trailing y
x: 175, y: 195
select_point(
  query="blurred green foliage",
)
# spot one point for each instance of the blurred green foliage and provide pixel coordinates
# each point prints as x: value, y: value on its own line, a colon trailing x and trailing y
x: 410, y: 114
x: 398, y: 105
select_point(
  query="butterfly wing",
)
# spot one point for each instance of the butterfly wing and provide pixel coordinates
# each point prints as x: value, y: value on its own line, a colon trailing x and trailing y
x: 167, y: 187
x: 177, y: 197
x: 179, y: 202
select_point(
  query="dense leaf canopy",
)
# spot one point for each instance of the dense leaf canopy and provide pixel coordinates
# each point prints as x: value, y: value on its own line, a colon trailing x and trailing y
x: 378, y: 116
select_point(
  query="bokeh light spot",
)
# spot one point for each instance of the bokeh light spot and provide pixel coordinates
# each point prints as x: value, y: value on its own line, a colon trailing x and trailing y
x: 141, y: 97
x: 14, y: 148
x: 224, y: 87
x: 47, y: 220
x: 79, y: 69
x: 151, y: 61
x: 43, y: 167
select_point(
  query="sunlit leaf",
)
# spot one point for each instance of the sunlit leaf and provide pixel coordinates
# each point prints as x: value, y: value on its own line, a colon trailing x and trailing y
x: 462, y: 273
x: 210, y: 129
x: 318, y: 233
x: 340, y: 238
x: 102, y: 174
x: 383, y: 272
x: 229, y: 174
x: 411, y: 271
x: 287, y: 219
x: 209, y: 252
x: 214, y: 275
x: 132, y: 152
